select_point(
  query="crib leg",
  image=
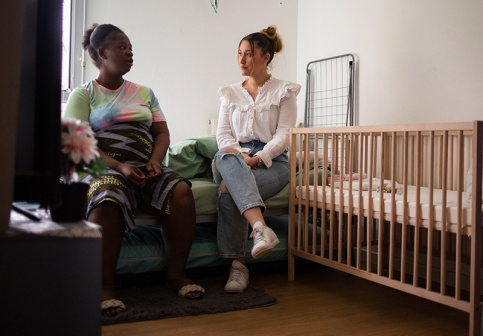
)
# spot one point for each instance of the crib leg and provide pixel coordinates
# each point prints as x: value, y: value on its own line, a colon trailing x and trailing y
x: 476, y: 321
x: 291, y: 243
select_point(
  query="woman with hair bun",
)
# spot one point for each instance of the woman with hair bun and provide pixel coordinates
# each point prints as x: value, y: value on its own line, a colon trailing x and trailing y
x: 133, y: 138
x: 252, y: 163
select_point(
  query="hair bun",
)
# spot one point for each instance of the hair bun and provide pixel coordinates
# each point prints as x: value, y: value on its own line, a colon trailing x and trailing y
x: 271, y: 33
x: 86, y: 40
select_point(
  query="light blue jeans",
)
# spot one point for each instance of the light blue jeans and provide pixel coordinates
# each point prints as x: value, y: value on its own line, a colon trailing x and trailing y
x: 247, y: 188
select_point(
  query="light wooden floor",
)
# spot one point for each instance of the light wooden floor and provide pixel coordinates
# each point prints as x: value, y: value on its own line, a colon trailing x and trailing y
x: 321, y: 301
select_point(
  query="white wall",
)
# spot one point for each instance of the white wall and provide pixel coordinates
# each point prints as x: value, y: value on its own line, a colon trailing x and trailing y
x: 185, y: 51
x: 419, y: 60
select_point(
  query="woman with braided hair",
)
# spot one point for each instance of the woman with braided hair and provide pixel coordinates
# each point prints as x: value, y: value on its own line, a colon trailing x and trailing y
x: 133, y: 138
x: 252, y: 163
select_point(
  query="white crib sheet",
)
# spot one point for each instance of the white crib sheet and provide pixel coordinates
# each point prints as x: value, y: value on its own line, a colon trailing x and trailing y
x: 451, y: 203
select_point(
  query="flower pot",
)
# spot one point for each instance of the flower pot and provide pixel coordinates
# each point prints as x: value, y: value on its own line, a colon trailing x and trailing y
x: 71, y: 203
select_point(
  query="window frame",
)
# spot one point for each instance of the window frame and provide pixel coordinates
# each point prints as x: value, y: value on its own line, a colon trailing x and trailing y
x: 76, y: 57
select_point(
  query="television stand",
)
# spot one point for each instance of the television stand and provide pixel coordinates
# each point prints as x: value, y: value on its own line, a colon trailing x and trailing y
x: 51, y: 277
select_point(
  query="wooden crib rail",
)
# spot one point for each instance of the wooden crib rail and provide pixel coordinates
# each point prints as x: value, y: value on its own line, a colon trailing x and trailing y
x: 392, y: 206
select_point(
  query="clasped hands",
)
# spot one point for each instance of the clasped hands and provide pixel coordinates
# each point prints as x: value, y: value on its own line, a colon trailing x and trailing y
x: 251, y: 161
x: 137, y: 177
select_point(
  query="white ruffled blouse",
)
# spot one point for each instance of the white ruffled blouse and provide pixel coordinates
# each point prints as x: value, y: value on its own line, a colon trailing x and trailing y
x: 268, y: 118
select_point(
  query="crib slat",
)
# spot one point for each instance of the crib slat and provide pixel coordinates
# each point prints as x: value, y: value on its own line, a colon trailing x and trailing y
x: 393, y: 207
x: 341, y: 198
x: 418, y: 148
x: 291, y: 209
x: 370, y: 205
x: 429, y: 261
x: 301, y: 140
x: 306, y: 169
x: 440, y: 183
x: 366, y: 148
x: 450, y: 163
x: 443, y: 215
x: 459, y: 214
x: 316, y: 194
x: 405, y: 209
x: 381, y: 208
x: 360, y: 214
x: 349, y: 214
x: 335, y: 158
x: 332, y: 199
x: 323, y: 238
x: 412, y: 160
x: 374, y: 153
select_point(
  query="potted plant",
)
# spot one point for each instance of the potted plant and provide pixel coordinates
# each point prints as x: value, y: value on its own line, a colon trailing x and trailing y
x: 79, y: 155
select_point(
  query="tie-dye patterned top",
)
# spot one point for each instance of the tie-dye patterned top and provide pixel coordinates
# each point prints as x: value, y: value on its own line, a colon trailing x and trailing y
x: 102, y: 107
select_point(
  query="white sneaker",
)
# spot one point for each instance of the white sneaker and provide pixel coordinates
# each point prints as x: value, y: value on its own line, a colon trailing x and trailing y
x: 238, y: 280
x: 264, y: 239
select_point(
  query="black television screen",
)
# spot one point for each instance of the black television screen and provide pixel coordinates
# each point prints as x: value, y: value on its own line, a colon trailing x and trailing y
x: 38, y: 124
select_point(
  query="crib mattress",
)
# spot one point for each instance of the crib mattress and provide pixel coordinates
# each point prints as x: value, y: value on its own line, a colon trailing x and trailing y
x: 451, y: 212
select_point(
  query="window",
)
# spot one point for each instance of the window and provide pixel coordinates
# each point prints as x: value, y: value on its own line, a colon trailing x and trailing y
x: 72, y: 53
x: 66, y: 32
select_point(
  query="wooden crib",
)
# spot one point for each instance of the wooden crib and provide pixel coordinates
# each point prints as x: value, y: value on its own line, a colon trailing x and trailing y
x: 392, y: 204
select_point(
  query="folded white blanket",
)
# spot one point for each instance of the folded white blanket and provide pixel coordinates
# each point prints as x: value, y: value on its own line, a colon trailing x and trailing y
x: 376, y: 185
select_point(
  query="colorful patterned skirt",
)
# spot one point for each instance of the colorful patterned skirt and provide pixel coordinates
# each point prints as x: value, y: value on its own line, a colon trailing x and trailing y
x: 130, y: 143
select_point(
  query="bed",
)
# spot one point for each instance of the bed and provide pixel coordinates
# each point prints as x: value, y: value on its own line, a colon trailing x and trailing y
x: 399, y: 207
x: 143, y: 248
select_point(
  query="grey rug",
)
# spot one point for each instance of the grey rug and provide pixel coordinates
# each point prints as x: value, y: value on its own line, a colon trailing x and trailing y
x: 155, y: 301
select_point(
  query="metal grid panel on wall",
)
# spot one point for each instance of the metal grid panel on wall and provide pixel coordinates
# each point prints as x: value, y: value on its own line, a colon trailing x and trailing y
x: 330, y: 92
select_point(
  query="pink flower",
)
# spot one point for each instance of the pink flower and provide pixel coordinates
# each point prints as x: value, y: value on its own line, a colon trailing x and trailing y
x: 78, y: 141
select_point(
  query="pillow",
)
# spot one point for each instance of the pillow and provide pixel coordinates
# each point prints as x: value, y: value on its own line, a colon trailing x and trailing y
x: 320, y: 159
x: 192, y: 157
x: 206, y: 146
